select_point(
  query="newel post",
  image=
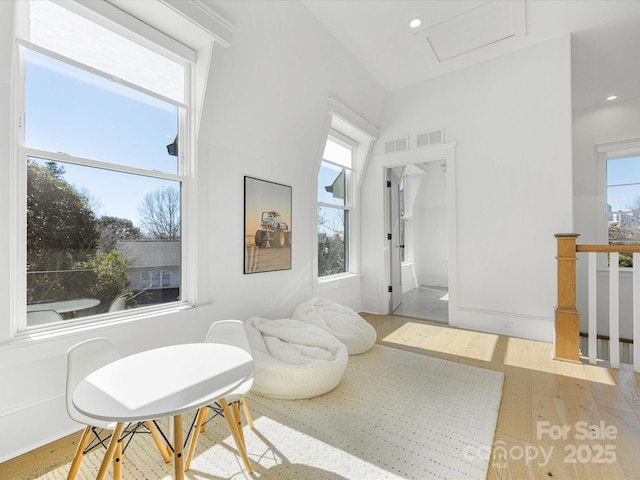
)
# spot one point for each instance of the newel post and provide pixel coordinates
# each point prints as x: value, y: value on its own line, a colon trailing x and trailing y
x: 567, y: 318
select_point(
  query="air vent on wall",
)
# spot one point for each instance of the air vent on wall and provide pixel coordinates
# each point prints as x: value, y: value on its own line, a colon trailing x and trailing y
x: 397, y: 145
x: 430, y: 138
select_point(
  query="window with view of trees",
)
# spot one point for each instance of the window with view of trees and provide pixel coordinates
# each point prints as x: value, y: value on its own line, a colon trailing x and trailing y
x: 99, y: 133
x: 623, y: 204
x: 334, y: 205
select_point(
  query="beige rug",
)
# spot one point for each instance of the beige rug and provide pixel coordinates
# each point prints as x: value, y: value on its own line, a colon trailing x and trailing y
x: 396, y: 414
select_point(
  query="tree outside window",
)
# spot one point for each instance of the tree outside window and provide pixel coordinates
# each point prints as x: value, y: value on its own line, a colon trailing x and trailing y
x: 334, y: 204
x: 100, y: 145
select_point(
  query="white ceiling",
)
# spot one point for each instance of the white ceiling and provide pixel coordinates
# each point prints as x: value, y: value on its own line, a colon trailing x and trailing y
x: 606, y: 38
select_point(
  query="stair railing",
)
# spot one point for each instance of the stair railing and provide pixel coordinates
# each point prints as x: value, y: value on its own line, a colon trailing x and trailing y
x: 567, y: 317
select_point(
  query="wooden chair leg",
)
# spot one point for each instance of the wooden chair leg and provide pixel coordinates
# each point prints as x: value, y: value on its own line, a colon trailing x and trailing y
x: 178, y: 447
x: 206, y: 416
x: 117, y: 461
x: 77, y: 458
x: 247, y: 413
x: 197, y: 428
x: 111, y: 450
x: 164, y: 449
x: 238, y: 421
x: 234, y: 432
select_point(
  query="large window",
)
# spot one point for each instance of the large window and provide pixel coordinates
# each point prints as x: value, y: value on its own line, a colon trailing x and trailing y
x: 623, y: 203
x: 335, y: 184
x: 101, y: 142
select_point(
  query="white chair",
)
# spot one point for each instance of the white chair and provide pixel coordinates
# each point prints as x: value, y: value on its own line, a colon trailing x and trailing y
x: 83, y: 359
x: 119, y: 303
x: 228, y: 332
x: 43, y: 317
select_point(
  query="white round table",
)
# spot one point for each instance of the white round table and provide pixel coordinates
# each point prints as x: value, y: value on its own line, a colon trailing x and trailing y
x: 158, y: 383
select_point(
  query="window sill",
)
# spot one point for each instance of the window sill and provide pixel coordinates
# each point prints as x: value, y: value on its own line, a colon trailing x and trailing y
x: 342, y: 277
x: 61, y: 330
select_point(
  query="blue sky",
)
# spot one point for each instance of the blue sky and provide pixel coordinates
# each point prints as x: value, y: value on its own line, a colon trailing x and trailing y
x: 72, y: 111
x: 623, y: 171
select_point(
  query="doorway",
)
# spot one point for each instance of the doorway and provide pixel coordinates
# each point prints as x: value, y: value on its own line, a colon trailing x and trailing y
x: 421, y: 237
x: 418, y: 250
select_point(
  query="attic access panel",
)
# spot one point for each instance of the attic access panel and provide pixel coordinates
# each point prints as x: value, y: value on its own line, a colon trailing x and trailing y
x: 484, y: 25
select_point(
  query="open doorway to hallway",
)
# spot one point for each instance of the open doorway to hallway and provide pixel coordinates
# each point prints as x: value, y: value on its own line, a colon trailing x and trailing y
x: 418, y: 240
x: 426, y: 236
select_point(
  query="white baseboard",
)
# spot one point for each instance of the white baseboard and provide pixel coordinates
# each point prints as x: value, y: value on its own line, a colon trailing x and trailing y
x: 34, y: 425
x: 505, y: 323
x: 502, y: 323
x: 375, y: 306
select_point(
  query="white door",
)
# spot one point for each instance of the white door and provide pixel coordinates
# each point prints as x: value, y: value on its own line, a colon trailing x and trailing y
x: 394, y: 176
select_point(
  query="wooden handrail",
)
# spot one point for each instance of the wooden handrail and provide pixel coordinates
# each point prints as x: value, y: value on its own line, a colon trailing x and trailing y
x: 608, y: 248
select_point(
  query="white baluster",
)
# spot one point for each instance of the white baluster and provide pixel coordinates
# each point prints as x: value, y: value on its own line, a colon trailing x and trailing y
x: 593, y: 309
x: 636, y: 312
x: 614, y: 310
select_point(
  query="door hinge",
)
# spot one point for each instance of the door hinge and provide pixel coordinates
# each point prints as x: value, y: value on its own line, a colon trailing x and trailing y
x: 388, y: 236
x: 388, y: 183
x: 390, y: 289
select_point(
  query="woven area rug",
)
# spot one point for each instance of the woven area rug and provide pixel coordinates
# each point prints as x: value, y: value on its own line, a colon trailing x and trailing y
x: 396, y: 414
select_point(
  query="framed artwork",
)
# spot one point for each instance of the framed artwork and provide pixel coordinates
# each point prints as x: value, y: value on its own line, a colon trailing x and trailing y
x: 267, y: 226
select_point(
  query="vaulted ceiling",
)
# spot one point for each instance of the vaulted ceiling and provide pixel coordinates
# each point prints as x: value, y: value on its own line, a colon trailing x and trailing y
x: 458, y: 33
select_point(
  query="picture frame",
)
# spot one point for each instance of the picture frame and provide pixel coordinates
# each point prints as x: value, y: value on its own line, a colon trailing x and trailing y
x: 267, y: 226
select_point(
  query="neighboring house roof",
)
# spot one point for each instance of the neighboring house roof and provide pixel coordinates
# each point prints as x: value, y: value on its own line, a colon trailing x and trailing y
x: 337, y: 187
x: 151, y: 253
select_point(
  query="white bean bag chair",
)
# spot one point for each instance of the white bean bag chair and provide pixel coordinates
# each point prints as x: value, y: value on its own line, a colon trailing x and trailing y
x: 294, y: 360
x: 340, y: 321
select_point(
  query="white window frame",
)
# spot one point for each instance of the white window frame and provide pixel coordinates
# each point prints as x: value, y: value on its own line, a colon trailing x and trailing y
x: 345, y: 122
x: 604, y: 153
x: 352, y: 146
x: 133, y: 28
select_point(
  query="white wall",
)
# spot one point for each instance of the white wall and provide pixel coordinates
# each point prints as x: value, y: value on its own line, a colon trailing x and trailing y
x: 411, y: 240
x: 265, y: 115
x: 426, y: 235
x: 430, y: 213
x: 511, y: 119
x: 614, y: 122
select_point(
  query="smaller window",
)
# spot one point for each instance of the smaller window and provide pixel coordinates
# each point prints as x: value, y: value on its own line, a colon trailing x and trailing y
x: 334, y: 205
x: 623, y: 204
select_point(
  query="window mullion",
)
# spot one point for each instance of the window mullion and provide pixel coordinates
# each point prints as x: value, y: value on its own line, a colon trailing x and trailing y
x: 623, y: 184
x: 66, y: 158
x: 332, y: 205
x: 337, y: 165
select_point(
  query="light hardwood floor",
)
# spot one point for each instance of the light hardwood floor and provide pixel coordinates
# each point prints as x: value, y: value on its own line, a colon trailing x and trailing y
x: 547, y: 406
x: 542, y: 398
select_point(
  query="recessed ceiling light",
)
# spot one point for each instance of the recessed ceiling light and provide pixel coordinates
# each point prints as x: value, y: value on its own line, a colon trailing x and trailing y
x: 611, y: 97
x: 415, y: 22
